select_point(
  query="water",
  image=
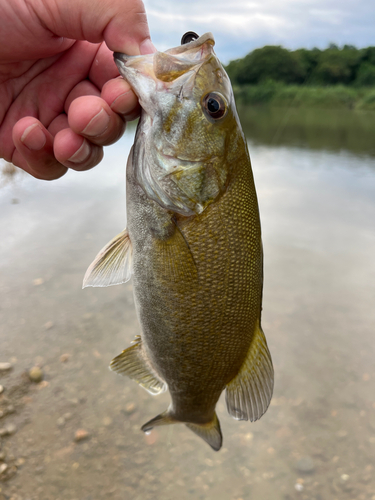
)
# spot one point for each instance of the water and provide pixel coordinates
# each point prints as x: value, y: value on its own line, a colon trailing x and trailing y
x: 317, y: 440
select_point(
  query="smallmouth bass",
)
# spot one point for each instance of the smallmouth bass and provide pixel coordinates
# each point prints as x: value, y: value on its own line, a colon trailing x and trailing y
x: 192, y: 244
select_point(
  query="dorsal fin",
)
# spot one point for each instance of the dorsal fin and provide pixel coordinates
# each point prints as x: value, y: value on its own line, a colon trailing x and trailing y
x: 132, y: 364
x: 248, y: 395
x: 112, y: 265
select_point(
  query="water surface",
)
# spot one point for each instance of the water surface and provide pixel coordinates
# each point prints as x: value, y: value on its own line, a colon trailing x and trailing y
x: 317, y: 440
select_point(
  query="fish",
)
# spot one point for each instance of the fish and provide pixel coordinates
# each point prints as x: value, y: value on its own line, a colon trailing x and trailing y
x: 192, y: 245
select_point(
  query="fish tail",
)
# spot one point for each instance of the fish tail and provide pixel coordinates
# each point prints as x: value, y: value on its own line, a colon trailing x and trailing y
x: 209, y: 432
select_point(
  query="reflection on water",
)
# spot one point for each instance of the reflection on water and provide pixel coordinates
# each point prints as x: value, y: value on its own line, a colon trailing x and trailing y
x: 317, y: 440
x: 312, y: 128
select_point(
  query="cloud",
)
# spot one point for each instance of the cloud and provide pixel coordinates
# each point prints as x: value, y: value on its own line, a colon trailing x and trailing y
x: 240, y: 26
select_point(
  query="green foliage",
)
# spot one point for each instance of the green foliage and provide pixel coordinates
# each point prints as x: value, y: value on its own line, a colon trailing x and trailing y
x: 366, y: 75
x: 368, y: 102
x: 332, y: 66
x: 303, y: 96
x: 271, y: 63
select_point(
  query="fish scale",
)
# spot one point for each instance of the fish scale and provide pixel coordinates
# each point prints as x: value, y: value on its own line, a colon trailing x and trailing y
x: 193, y: 245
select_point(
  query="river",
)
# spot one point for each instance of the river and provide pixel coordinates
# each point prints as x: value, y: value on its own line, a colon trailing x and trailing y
x: 315, y: 178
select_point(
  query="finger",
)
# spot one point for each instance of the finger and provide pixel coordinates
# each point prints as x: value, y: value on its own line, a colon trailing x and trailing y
x: 91, y: 117
x: 120, y: 97
x: 122, y: 24
x: 84, y: 88
x: 75, y: 151
x: 34, y: 150
x: 59, y: 123
x: 103, y: 67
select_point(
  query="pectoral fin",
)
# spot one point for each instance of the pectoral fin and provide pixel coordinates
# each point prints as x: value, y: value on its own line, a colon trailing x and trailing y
x: 249, y: 393
x: 132, y: 363
x: 112, y: 265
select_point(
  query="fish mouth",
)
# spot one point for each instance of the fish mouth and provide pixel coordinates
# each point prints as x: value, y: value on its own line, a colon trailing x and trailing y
x: 160, y: 70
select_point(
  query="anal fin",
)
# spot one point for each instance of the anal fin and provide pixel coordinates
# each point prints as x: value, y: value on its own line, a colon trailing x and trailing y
x: 132, y: 364
x: 249, y: 393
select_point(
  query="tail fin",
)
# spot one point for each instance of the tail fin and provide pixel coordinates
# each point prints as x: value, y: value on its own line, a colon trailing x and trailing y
x: 210, y: 432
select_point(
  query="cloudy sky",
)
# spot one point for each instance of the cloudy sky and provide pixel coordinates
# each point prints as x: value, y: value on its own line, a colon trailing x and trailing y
x: 240, y: 26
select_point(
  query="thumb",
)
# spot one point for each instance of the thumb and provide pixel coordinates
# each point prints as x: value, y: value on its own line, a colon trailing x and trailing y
x: 122, y: 24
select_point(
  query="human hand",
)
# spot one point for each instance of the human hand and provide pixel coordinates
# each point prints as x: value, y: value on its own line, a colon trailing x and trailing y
x: 60, y: 98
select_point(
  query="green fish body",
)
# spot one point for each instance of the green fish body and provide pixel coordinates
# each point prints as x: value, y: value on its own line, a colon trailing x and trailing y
x: 192, y: 244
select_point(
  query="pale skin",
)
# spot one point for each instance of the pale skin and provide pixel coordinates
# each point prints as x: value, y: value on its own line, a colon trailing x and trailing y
x: 61, y: 98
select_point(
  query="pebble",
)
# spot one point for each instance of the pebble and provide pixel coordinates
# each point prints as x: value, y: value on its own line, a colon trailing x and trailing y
x: 38, y: 281
x: 60, y: 422
x: 298, y: 486
x: 130, y: 408
x: 64, y: 358
x: 48, y: 325
x: 81, y: 435
x: 1, y: 389
x: 2, y: 456
x: 36, y: 374
x: 305, y: 464
x: 8, y: 430
x: 3, y: 468
x: 4, y: 367
x: 107, y: 421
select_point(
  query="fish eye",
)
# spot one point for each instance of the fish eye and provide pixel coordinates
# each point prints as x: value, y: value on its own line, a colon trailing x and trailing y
x: 214, y: 105
x: 188, y: 37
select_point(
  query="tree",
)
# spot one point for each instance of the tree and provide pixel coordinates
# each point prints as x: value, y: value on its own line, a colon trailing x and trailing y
x: 269, y: 63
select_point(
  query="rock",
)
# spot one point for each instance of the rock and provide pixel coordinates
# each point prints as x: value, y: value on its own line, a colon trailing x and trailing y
x: 107, y: 421
x: 4, y: 367
x: 60, y: 422
x: 3, y: 468
x: 64, y: 358
x: 48, y: 325
x: 36, y: 374
x: 130, y: 408
x: 10, y: 409
x: 1, y: 389
x: 2, y: 456
x: 306, y: 465
x: 8, y: 430
x: 81, y: 435
x: 38, y: 281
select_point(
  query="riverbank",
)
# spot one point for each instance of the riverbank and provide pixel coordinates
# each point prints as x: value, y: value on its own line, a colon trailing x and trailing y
x: 303, y: 96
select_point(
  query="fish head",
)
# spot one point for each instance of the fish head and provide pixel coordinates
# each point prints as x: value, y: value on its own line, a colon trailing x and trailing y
x: 188, y: 126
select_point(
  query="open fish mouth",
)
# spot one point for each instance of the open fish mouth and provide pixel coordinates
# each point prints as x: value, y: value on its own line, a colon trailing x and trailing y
x: 159, y: 71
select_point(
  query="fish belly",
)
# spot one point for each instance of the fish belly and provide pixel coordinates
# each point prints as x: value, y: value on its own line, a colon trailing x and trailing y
x: 197, y: 285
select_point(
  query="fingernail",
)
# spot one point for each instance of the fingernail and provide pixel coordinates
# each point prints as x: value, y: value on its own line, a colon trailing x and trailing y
x: 33, y: 137
x: 147, y: 47
x: 120, y: 106
x: 81, y: 154
x: 97, y: 125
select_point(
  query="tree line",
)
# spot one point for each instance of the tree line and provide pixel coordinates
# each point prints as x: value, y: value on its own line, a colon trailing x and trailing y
x: 331, y: 66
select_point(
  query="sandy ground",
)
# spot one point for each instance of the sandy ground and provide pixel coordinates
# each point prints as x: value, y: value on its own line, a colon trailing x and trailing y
x: 317, y: 440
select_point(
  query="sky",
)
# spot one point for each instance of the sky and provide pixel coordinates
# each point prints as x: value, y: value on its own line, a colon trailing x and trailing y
x: 240, y: 26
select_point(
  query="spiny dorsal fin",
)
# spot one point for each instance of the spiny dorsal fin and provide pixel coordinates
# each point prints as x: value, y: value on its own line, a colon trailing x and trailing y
x: 249, y: 393
x: 210, y: 432
x: 132, y: 364
x: 112, y: 265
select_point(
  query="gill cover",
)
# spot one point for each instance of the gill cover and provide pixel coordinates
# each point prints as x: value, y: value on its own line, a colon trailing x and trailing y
x: 186, y: 96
